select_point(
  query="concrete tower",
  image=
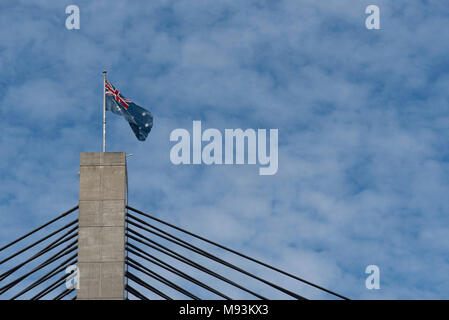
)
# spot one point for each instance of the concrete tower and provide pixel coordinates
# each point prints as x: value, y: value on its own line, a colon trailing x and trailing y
x: 101, y: 238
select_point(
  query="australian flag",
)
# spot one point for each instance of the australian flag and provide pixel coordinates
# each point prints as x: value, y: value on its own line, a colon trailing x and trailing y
x: 140, y: 120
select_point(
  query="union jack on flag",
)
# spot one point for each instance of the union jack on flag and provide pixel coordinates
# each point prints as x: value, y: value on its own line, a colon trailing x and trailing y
x: 139, y: 119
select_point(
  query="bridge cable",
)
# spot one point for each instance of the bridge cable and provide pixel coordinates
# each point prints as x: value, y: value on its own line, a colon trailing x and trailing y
x: 161, y: 279
x: 49, y: 275
x: 193, y: 248
x: 63, y: 294
x: 191, y: 263
x: 41, y: 227
x: 39, y: 241
x: 146, y: 285
x: 48, y: 248
x: 59, y: 255
x: 238, y: 253
x: 53, y: 286
x: 179, y: 273
x: 135, y: 292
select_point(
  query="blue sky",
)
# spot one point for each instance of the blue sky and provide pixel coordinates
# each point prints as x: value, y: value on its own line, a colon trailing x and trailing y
x: 362, y: 116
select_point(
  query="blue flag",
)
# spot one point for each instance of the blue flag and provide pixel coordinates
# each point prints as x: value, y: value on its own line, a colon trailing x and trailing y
x: 139, y: 119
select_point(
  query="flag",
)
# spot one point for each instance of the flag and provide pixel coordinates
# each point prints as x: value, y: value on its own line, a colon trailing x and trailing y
x: 139, y: 119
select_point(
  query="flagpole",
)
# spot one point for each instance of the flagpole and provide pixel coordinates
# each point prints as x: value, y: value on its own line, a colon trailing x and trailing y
x: 104, y: 110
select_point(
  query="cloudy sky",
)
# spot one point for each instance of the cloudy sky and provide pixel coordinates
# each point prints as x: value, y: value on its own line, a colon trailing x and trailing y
x: 362, y: 116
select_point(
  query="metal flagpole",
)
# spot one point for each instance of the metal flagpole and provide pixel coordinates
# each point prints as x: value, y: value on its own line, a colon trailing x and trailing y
x: 104, y: 111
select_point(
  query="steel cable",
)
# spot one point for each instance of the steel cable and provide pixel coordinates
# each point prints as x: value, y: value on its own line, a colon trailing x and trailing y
x: 193, y: 248
x: 158, y: 277
x: 199, y: 267
x: 238, y: 253
x: 179, y: 273
x: 39, y: 228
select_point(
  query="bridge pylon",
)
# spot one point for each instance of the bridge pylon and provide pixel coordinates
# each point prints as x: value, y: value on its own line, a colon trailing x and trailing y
x: 101, y: 234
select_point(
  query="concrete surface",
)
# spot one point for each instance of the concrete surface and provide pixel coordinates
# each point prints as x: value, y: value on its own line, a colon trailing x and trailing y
x: 101, y: 237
